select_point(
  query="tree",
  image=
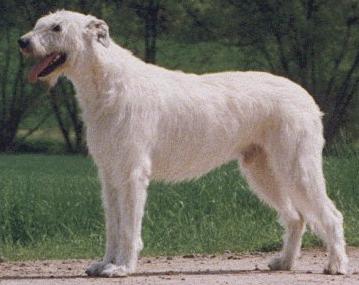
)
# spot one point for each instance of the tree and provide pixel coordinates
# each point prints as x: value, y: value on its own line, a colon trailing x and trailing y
x: 320, y: 56
x: 148, y: 12
x: 16, y: 97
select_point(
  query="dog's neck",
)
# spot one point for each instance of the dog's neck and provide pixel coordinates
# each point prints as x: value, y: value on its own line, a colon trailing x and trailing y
x: 97, y: 76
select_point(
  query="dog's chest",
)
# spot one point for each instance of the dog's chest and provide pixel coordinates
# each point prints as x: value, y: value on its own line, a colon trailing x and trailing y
x: 104, y: 141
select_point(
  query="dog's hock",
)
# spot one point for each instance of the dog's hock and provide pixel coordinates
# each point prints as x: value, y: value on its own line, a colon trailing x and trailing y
x: 99, y: 30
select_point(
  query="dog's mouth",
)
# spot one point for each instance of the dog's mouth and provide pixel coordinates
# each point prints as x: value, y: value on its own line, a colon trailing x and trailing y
x: 47, y: 65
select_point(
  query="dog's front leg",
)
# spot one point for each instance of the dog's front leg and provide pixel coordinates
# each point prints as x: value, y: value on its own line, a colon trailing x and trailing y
x: 131, y: 199
x: 112, y: 216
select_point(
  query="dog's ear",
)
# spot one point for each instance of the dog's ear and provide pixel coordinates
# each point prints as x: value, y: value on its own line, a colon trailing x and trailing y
x: 99, y: 29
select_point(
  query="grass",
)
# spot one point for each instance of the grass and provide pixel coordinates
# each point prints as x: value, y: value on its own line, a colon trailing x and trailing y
x: 50, y: 208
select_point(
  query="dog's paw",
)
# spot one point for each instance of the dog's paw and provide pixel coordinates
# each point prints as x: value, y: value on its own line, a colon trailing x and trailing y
x: 112, y: 270
x: 95, y: 268
x: 279, y: 263
x: 338, y: 267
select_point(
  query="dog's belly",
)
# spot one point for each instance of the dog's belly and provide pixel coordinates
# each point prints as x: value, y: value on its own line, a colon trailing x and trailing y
x: 188, y: 158
x: 175, y: 170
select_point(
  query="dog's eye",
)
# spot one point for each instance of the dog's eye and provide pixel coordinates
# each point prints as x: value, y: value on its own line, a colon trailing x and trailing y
x: 56, y: 28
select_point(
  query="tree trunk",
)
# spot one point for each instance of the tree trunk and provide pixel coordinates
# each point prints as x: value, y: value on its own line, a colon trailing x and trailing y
x: 151, y: 26
x: 60, y: 122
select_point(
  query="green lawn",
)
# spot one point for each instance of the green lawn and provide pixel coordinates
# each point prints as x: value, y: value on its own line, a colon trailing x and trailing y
x: 50, y: 208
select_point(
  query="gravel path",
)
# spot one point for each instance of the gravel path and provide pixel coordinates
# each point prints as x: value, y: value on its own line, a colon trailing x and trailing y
x: 208, y: 270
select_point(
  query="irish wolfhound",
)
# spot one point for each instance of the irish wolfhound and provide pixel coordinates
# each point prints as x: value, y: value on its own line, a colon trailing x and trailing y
x: 146, y: 122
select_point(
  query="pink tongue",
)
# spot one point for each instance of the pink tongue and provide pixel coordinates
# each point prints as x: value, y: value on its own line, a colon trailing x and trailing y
x: 38, y: 68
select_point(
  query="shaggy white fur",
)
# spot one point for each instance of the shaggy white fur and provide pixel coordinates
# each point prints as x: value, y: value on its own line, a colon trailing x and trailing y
x: 145, y: 122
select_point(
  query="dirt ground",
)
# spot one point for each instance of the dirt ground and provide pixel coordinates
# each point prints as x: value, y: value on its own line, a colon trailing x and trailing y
x: 205, y: 269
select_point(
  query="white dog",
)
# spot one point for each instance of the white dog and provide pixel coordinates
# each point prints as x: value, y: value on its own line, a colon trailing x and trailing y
x: 145, y: 122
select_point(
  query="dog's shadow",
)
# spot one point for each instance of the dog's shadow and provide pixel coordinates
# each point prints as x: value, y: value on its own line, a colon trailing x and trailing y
x: 156, y: 273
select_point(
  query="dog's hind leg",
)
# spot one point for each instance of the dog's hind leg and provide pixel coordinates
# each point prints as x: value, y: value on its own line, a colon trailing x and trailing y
x: 261, y: 178
x: 296, y: 160
x: 314, y: 204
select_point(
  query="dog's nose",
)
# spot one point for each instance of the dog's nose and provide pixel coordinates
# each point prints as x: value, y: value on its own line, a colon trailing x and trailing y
x: 23, y: 42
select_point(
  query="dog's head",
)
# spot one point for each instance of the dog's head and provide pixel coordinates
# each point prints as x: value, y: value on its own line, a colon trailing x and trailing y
x: 58, y: 40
